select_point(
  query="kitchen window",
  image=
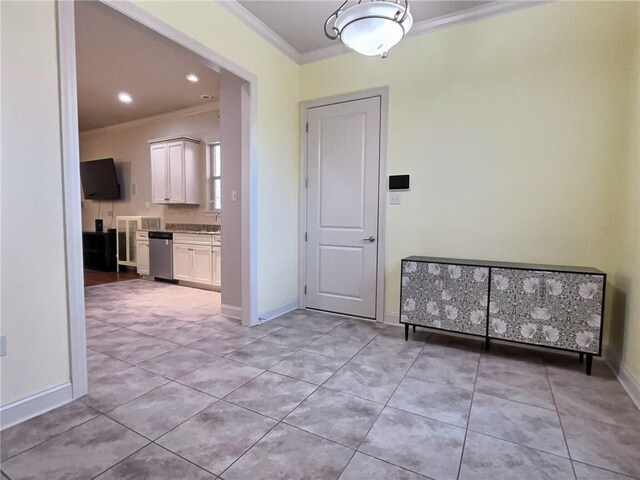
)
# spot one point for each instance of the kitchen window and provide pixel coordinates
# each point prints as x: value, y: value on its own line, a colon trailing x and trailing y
x: 214, y: 178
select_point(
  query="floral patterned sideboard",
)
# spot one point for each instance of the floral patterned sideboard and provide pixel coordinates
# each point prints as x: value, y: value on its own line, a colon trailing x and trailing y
x: 551, y: 306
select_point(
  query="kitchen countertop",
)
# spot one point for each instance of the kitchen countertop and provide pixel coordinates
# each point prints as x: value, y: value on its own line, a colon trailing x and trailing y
x: 194, y: 232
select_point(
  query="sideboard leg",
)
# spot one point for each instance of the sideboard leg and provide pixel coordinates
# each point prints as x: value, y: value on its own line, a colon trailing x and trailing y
x: 581, y: 357
x: 589, y: 363
x: 414, y: 329
x: 487, y: 343
x: 406, y: 332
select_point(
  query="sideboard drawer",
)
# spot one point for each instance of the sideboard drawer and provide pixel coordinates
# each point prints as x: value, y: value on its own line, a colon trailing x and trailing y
x: 555, y: 309
x: 449, y: 297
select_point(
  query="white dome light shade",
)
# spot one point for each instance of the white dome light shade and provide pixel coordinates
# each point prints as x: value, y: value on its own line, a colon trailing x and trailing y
x: 372, y: 28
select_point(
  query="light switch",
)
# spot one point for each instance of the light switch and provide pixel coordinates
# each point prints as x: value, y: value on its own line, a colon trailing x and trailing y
x: 134, y: 188
x: 147, y: 205
x: 234, y: 196
x: 394, y: 198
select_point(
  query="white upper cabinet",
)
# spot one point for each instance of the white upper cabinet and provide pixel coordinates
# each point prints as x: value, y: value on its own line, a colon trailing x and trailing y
x: 175, y: 170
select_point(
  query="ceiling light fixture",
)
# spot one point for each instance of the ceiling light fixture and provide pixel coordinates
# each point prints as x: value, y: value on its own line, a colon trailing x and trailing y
x: 370, y: 27
x: 206, y: 97
x: 124, y: 97
x: 192, y: 77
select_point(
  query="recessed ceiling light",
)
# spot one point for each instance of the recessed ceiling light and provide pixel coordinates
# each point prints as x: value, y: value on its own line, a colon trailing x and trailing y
x: 124, y: 97
x: 192, y: 77
x: 206, y: 97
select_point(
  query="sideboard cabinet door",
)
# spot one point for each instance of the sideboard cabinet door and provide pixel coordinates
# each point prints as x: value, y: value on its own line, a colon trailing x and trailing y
x: 555, y: 309
x: 444, y: 296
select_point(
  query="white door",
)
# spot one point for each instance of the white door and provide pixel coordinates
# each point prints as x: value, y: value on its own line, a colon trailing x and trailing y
x: 176, y: 172
x: 181, y: 262
x: 343, y: 154
x: 202, y: 266
x: 159, y: 184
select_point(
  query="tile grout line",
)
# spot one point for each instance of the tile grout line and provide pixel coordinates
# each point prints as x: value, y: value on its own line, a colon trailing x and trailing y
x: 564, y: 436
x: 383, y: 409
x: 466, y: 430
x: 282, y: 421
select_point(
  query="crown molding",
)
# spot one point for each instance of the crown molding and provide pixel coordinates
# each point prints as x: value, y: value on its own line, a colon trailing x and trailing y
x: 260, y: 28
x: 487, y: 10
x: 184, y: 112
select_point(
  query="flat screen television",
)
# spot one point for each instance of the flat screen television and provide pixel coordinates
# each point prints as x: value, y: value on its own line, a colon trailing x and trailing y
x: 99, y: 180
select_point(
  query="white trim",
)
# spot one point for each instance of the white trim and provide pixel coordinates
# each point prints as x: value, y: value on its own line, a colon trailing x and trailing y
x: 34, y: 405
x: 184, y: 112
x: 391, y: 318
x: 276, y: 312
x: 487, y: 10
x: 628, y: 381
x: 231, y: 311
x: 383, y: 93
x: 259, y: 27
x: 72, y: 197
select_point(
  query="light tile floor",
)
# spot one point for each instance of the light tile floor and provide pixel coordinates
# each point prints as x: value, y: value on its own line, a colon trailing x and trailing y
x: 178, y: 391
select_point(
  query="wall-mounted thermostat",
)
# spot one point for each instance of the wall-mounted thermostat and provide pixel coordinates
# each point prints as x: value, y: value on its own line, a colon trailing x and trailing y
x: 398, y: 182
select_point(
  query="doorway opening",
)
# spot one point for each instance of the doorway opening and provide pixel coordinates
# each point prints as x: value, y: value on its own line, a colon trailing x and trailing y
x: 182, y: 206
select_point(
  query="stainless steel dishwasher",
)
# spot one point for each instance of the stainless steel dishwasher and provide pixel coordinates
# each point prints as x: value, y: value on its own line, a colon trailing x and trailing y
x: 161, y: 255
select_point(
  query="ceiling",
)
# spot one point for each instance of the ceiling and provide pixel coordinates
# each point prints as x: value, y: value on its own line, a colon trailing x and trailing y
x: 116, y: 54
x: 305, y: 34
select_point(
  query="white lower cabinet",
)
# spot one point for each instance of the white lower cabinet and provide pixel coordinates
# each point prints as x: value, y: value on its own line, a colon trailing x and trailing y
x: 196, y: 263
x: 143, y: 257
x: 202, y: 267
x: 217, y: 262
x: 182, y: 262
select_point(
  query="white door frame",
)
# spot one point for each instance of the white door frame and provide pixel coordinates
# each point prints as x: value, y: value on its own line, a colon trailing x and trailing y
x: 71, y: 173
x: 383, y: 93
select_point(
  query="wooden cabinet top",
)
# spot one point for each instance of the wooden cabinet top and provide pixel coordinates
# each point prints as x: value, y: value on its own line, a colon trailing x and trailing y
x: 514, y: 265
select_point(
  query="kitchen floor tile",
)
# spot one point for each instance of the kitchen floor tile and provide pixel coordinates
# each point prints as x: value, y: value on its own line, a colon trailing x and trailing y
x: 218, y: 436
x: 519, y: 423
x: 307, y: 366
x: 271, y: 394
x: 603, y: 445
x: 434, y: 400
x: 490, y: 458
x: 221, y: 377
x: 364, y: 467
x: 287, y: 453
x: 262, y: 354
x: 178, y: 362
x: 155, y: 463
x: 416, y: 443
x: 336, y: 416
x: 155, y: 413
x: 82, y: 452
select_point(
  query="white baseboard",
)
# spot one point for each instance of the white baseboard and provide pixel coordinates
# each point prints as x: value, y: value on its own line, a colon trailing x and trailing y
x: 392, y: 318
x: 231, y: 311
x: 628, y: 382
x: 272, y: 313
x: 34, y: 405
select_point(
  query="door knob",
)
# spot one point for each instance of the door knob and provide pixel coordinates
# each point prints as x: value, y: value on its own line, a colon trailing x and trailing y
x: 371, y: 239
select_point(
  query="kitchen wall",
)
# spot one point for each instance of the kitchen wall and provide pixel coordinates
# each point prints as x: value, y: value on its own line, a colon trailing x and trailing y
x: 33, y: 311
x: 128, y: 145
x: 520, y: 133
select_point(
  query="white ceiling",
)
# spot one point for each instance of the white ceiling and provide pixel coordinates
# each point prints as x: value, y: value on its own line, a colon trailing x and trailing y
x: 116, y: 54
x: 301, y: 23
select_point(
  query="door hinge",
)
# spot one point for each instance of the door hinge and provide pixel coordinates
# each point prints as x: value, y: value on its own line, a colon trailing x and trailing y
x: 306, y: 236
x: 306, y: 127
x: 305, y: 289
x: 306, y: 182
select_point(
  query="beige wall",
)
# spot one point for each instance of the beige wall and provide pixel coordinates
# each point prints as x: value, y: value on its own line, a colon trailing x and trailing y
x: 34, y: 294
x: 514, y: 130
x: 277, y: 136
x: 129, y: 147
